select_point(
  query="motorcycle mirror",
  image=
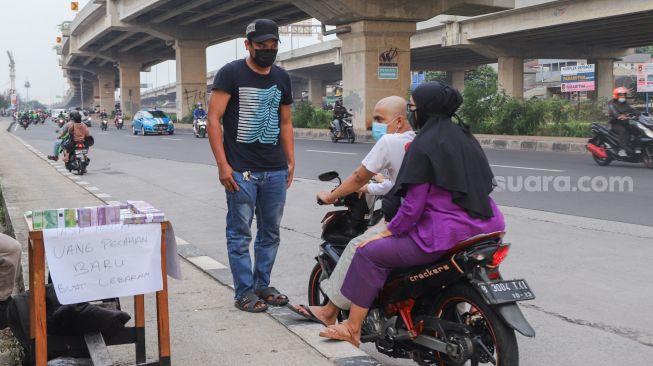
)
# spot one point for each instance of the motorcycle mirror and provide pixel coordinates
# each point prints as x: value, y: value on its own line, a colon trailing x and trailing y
x: 328, y: 176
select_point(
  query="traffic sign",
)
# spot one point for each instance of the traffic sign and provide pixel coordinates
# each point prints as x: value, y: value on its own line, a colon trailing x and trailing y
x: 74, y: 6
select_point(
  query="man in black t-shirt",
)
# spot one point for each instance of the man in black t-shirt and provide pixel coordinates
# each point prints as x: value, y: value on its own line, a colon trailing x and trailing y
x: 254, y: 151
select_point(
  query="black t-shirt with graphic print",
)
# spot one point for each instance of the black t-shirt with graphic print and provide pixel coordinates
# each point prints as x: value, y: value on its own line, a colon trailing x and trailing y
x: 251, y: 122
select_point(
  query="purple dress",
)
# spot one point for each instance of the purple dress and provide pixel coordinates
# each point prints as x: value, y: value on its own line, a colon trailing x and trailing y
x: 427, y: 224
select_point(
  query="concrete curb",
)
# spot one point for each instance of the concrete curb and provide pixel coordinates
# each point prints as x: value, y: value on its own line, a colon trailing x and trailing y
x: 494, y: 142
x: 340, y: 353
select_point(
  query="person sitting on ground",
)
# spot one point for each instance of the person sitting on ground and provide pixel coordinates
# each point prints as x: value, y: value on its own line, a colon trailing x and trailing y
x: 386, y: 156
x: 446, y: 181
x: 10, y: 251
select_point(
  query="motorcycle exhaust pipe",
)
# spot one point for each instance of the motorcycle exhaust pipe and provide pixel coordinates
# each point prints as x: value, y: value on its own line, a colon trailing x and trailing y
x: 597, y: 150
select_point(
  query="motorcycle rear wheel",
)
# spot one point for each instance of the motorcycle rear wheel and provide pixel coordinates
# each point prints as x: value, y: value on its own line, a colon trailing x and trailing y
x: 463, y: 304
x: 602, y: 161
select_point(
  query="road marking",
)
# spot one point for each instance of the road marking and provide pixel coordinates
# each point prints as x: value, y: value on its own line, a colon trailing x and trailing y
x: 130, y: 135
x: 82, y: 183
x: 331, y: 152
x: 181, y: 241
x: 92, y: 188
x: 171, y: 139
x: 526, y: 168
x: 102, y: 195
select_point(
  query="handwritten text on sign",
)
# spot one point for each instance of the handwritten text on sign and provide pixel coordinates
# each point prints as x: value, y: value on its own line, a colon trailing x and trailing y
x: 102, y: 262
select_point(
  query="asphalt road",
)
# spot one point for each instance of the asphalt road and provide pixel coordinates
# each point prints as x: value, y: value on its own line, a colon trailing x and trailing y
x: 591, y: 277
x: 530, y: 178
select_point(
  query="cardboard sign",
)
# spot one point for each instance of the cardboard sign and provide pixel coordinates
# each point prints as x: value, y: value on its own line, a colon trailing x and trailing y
x: 99, y: 262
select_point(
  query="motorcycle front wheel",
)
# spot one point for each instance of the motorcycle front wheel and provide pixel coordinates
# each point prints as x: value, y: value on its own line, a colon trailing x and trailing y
x: 351, y: 136
x: 315, y: 295
x: 463, y: 304
x: 648, y: 157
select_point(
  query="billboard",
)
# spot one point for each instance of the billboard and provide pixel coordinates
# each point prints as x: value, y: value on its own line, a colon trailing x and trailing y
x: 577, y: 78
x: 645, y: 78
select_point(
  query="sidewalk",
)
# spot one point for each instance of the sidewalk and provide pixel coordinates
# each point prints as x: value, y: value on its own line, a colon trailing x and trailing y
x: 206, y: 329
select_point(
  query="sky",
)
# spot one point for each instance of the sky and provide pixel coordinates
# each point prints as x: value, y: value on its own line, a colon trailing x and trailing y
x: 30, y: 28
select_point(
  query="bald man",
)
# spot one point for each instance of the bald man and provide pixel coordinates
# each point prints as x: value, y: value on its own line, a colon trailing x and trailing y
x: 386, y: 156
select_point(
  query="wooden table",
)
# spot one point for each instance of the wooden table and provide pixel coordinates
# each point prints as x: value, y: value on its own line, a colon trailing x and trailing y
x: 136, y: 334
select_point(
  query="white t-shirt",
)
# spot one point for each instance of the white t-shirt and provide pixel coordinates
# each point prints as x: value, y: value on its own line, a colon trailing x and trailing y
x: 387, y: 154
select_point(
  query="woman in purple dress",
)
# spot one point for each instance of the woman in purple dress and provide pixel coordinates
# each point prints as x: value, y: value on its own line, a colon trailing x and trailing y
x: 445, y: 181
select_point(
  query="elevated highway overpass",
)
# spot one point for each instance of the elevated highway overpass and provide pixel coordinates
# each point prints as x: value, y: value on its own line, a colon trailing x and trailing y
x: 113, y: 40
x: 586, y: 29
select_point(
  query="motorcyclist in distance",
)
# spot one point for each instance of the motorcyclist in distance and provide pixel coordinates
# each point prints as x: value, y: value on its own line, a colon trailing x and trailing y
x: 620, y: 112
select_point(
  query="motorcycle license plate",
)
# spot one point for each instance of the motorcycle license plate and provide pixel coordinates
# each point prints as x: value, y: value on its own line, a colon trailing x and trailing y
x: 500, y: 292
x: 81, y: 152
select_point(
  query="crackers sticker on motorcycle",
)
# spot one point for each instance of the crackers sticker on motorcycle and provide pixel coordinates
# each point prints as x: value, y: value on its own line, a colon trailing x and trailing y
x: 429, y: 272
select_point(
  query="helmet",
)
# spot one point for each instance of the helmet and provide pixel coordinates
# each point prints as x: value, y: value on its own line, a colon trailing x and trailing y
x: 617, y: 91
x: 199, y: 105
x: 76, y: 117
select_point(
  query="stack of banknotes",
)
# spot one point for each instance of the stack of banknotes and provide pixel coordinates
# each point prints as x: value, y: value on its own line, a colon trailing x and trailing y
x: 134, y: 212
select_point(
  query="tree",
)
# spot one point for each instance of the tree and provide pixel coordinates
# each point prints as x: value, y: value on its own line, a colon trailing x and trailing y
x: 436, y: 76
x: 483, y: 77
x: 645, y: 49
x: 4, y: 102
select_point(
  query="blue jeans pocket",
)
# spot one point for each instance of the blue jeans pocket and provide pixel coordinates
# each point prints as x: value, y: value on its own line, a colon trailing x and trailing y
x: 246, y: 192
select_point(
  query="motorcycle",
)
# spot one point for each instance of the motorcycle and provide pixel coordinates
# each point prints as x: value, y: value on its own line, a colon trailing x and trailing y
x: 61, y: 122
x: 199, y: 127
x: 604, y: 144
x: 104, y: 125
x: 24, y: 122
x: 346, y: 131
x: 455, y: 311
x: 118, y: 122
x: 78, y: 159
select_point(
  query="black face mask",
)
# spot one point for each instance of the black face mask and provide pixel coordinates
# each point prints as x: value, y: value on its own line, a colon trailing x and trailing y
x: 265, y: 57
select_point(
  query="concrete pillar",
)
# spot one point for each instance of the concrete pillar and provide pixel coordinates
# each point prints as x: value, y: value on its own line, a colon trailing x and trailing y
x: 604, y: 72
x: 375, y: 64
x: 315, y: 92
x: 511, y: 76
x: 456, y: 79
x: 96, y: 94
x: 130, y: 87
x: 191, y: 75
x: 107, y: 79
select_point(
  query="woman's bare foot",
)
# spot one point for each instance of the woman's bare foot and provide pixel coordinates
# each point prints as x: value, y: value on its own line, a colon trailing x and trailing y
x: 343, y: 332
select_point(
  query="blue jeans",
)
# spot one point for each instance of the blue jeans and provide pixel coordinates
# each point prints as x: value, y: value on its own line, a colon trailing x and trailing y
x: 57, y: 143
x: 263, y: 195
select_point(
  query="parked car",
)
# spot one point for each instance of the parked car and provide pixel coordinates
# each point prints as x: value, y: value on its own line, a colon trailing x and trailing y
x: 152, y: 121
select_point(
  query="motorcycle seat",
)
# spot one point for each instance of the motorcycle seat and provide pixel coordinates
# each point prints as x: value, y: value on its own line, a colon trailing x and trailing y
x: 477, y: 239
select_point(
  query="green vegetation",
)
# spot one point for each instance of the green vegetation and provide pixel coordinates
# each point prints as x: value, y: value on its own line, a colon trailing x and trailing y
x: 488, y: 111
x: 305, y: 115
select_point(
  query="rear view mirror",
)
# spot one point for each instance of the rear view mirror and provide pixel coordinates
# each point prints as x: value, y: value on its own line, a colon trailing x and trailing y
x: 328, y: 176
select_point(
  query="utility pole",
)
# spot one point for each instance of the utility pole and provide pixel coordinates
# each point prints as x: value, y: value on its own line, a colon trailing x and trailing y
x: 81, y: 88
x: 12, y: 78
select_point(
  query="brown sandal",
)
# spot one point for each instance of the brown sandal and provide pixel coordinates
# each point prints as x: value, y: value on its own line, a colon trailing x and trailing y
x: 340, y: 332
